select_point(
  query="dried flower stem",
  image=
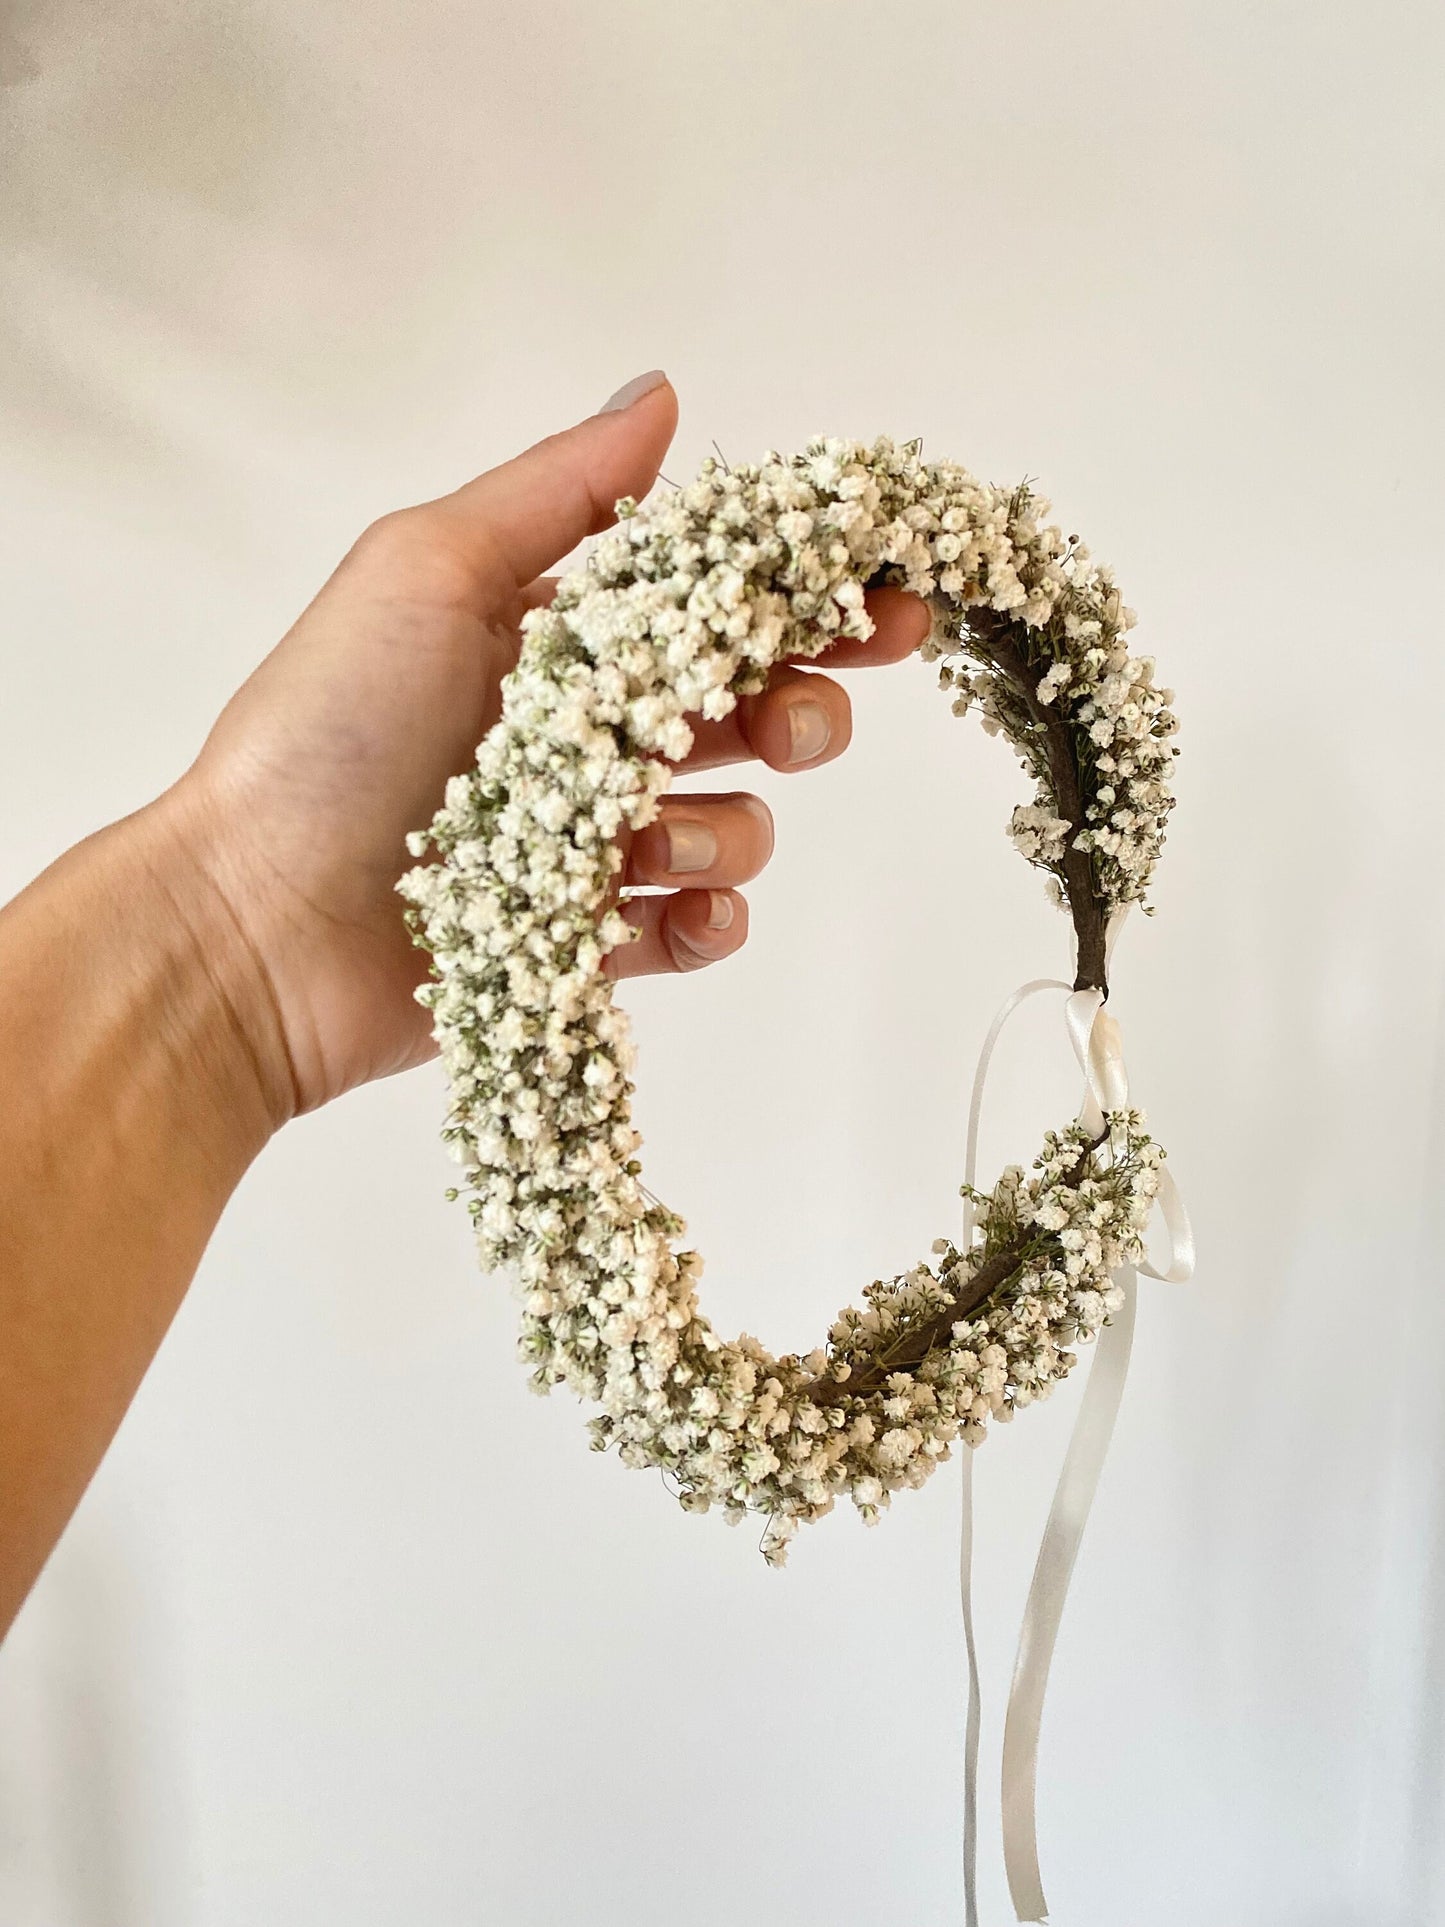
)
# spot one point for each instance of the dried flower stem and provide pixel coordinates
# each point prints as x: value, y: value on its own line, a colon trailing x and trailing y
x: 1004, y: 644
x: 933, y: 1334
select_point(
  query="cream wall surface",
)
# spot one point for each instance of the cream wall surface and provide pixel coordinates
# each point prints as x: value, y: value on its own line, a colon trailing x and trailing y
x: 351, y: 1631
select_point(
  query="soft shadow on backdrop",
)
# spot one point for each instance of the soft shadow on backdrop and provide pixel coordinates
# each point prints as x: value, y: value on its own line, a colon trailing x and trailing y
x: 351, y: 1629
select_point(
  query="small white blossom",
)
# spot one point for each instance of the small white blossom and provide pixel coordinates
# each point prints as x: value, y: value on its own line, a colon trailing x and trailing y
x: 682, y: 609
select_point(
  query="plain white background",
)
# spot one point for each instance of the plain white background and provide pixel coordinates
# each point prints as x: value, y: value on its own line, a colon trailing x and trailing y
x: 351, y: 1631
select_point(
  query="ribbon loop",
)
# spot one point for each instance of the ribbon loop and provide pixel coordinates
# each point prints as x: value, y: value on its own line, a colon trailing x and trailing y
x: 1180, y: 1268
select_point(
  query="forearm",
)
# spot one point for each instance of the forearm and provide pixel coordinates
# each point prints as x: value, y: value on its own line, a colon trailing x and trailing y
x: 132, y: 1106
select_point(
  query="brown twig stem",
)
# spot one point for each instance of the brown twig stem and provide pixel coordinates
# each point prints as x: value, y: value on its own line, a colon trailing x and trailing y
x: 1002, y: 644
x: 932, y: 1334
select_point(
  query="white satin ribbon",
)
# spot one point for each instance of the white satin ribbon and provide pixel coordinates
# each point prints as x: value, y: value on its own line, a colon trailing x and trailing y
x: 1098, y: 1047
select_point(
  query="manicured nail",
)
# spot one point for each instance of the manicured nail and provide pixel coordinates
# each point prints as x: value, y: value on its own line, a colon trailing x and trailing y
x: 691, y: 953
x: 690, y: 846
x: 633, y: 390
x: 808, y: 731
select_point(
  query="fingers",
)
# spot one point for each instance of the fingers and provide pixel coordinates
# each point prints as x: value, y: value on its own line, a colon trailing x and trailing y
x: 699, y: 842
x: 801, y: 719
x: 508, y: 525
x: 684, y: 930
x: 706, y: 845
x: 900, y: 623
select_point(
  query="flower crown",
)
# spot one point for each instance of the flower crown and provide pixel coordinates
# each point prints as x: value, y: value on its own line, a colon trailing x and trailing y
x: 682, y: 608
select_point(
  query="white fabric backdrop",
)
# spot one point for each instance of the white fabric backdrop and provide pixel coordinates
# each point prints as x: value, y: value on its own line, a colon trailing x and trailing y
x: 353, y: 1631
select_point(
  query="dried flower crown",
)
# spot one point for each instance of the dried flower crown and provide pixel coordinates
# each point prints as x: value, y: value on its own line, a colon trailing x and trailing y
x: 682, y: 608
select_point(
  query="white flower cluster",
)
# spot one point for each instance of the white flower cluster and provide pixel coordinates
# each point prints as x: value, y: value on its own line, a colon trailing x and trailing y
x: 682, y: 608
x: 1119, y: 722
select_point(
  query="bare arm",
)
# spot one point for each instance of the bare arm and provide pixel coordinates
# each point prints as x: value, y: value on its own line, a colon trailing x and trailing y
x: 132, y: 1107
x: 179, y: 985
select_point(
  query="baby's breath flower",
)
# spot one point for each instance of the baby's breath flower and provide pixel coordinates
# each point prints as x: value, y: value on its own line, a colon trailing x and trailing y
x: 682, y: 608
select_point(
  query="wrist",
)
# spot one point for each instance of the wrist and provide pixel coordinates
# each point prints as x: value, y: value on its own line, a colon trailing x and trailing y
x: 138, y: 987
x: 226, y: 1019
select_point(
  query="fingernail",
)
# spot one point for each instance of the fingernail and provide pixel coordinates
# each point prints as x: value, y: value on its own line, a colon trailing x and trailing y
x: 690, y: 846
x: 719, y: 910
x: 808, y: 731
x: 633, y: 390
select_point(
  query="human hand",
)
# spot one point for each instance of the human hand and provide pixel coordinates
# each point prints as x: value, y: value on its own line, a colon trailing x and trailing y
x: 285, y: 839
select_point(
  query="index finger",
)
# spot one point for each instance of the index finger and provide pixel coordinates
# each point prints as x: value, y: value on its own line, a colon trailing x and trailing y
x: 760, y: 724
x: 900, y: 623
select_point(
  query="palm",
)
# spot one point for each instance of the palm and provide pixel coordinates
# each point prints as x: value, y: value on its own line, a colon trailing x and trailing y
x: 339, y: 745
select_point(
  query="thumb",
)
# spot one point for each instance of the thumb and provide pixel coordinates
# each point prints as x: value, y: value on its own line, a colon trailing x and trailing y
x: 517, y: 520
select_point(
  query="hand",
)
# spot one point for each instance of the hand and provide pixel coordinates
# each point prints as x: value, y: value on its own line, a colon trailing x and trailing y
x: 289, y: 829
x: 178, y: 985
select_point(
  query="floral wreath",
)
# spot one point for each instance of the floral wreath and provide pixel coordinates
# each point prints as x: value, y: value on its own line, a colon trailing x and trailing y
x: 684, y: 607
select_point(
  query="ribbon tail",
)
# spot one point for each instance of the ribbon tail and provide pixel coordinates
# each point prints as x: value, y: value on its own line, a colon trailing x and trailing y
x: 975, y: 1702
x: 1073, y: 1498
